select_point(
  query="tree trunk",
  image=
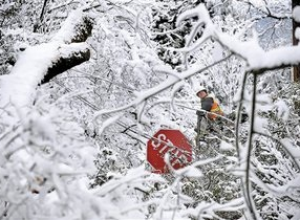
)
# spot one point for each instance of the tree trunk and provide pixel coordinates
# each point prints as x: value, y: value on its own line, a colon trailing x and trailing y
x: 296, y: 68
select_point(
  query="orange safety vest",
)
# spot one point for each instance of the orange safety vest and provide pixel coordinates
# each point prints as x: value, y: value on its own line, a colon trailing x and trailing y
x: 215, y: 109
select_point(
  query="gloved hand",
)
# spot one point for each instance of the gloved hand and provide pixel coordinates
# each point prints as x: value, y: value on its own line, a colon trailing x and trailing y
x: 200, y: 113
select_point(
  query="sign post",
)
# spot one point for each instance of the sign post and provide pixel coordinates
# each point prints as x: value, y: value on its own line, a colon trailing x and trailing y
x: 172, y: 142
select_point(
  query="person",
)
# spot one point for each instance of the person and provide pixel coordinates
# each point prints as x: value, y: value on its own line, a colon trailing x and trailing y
x: 210, y: 105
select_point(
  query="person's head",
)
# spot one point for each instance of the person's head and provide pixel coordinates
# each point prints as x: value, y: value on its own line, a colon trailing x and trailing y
x: 201, y: 92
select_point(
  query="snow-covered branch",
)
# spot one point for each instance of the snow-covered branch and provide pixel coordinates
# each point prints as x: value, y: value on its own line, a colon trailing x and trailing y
x: 40, y: 63
x: 250, y: 51
x: 144, y: 95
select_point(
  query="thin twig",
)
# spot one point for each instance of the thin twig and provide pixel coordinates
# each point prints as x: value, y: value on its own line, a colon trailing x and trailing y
x: 247, y: 192
x: 238, y: 115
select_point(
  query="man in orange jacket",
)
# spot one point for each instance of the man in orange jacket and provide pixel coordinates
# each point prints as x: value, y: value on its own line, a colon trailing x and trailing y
x: 208, y: 104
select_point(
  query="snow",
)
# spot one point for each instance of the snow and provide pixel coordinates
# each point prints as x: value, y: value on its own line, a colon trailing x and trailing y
x: 69, y: 27
x: 226, y: 146
x: 297, y: 33
x: 253, y: 54
x: 296, y: 13
x: 108, y: 122
x: 37, y: 143
x: 260, y: 123
x: 282, y: 110
x: 192, y: 172
x: 289, y: 146
x: 217, y: 52
x: 33, y: 63
x: 19, y: 86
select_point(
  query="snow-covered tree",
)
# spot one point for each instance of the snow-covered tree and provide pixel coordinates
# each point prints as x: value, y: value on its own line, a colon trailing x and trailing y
x: 73, y: 139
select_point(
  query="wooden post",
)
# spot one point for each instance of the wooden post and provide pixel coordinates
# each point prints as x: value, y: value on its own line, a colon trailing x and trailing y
x: 296, y: 68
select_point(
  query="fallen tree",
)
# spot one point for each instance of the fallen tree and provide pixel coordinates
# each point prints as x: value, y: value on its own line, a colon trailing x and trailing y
x: 21, y: 137
x: 40, y: 63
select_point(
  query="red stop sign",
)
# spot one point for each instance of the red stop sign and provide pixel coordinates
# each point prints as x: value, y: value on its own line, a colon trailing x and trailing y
x: 172, y: 142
